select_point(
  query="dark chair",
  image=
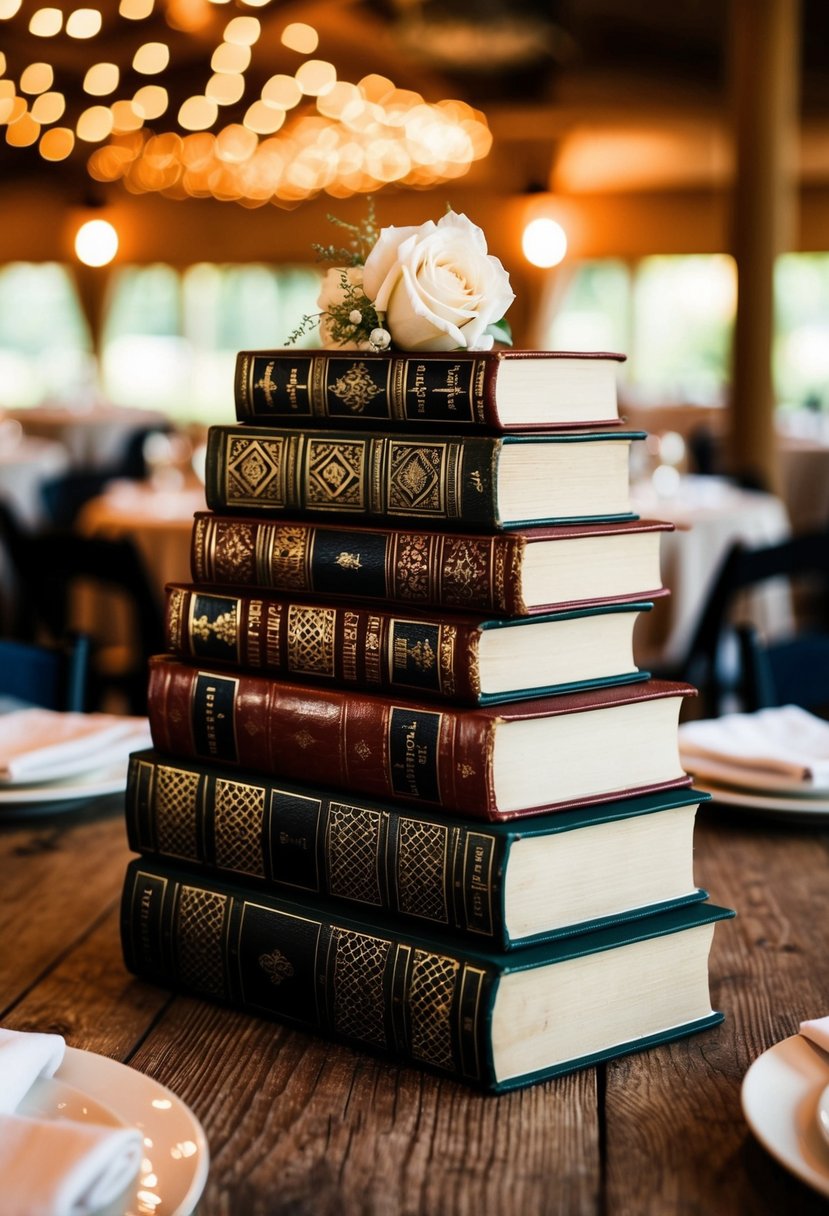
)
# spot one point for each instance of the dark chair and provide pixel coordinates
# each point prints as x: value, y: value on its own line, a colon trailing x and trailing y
x: 50, y: 566
x: 53, y: 677
x: 733, y: 667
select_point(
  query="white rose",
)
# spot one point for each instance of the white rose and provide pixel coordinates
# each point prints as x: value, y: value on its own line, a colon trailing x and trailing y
x: 334, y: 291
x: 437, y: 286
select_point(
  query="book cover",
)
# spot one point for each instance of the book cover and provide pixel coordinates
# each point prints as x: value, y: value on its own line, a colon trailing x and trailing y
x: 515, y: 573
x: 497, y: 390
x: 503, y: 885
x: 455, y: 657
x: 497, y: 1021
x: 488, y: 762
x: 475, y: 481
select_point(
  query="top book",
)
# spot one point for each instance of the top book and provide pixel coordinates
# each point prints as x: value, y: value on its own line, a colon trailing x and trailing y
x: 501, y: 390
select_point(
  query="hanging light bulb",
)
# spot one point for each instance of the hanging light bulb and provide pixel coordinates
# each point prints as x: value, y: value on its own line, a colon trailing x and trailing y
x: 544, y: 242
x: 96, y: 243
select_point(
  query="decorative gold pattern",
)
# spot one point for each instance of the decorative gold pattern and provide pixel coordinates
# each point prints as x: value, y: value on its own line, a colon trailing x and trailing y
x: 176, y: 601
x: 239, y: 814
x: 362, y: 749
x: 304, y: 739
x: 465, y: 570
x: 349, y: 561
x: 335, y: 474
x: 287, y: 558
x: 421, y: 867
x: 353, y: 853
x: 412, y: 564
x: 416, y: 477
x: 225, y: 627
x: 359, y: 967
x: 277, y: 966
x: 253, y: 471
x: 176, y: 796
x: 355, y: 388
x: 446, y: 645
x: 234, y: 554
x: 200, y: 922
x: 311, y: 640
x: 434, y: 979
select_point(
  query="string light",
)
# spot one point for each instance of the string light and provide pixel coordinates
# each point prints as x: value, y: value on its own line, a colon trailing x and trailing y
x: 282, y: 141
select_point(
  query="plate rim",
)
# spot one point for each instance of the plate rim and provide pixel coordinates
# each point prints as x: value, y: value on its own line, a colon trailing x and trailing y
x: 118, y: 1099
x: 808, y: 1090
x: 805, y: 809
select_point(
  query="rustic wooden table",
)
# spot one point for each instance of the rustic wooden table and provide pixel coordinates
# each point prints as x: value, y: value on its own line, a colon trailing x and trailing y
x: 297, y: 1125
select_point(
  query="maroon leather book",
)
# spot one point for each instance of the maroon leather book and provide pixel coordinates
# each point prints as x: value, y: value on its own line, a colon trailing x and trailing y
x: 517, y: 573
x: 490, y: 762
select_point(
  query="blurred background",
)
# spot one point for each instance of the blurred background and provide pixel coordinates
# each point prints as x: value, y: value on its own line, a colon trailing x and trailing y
x: 655, y: 178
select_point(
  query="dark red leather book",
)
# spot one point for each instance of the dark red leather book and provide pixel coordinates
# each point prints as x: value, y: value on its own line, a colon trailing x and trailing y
x: 518, y: 573
x: 489, y: 762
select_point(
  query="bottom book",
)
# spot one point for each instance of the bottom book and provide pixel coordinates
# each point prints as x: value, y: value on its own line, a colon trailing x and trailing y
x: 498, y: 1021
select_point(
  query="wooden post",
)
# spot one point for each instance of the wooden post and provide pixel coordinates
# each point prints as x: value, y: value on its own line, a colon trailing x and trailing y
x: 765, y: 84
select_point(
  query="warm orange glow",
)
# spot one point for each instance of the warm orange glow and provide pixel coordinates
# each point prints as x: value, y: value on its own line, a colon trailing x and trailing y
x: 8, y: 8
x: 151, y: 101
x: 83, y: 23
x: 94, y: 124
x: 101, y: 79
x: 12, y: 109
x: 48, y: 108
x: 225, y: 90
x: 125, y: 116
x: 544, y: 242
x: 135, y: 10
x: 57, y: 144
x: 36, y: 78
x: 46, y: 22
x: 197, y: 113
x: 230, y: 57
x: 151, y: 58
x: 300, y: 37
x: 316, y: 76
x: 264, y: 119
x: 23, y: 132
x: 96, y: 243
x: 243, y: 31
x: 282, y: 91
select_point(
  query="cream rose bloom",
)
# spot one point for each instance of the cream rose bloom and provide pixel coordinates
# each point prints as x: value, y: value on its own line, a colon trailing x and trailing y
x: 437, y: 286
x: 333, y: 292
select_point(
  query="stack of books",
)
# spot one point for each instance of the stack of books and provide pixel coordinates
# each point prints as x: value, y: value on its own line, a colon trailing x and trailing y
x: 408, y: 786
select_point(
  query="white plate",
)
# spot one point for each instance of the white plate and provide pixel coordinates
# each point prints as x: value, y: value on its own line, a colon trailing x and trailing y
x: 780, y: 1095
x: 775, y: 806
x: 176, y: 1158
x: 84, y: 785
x: 750, y: 779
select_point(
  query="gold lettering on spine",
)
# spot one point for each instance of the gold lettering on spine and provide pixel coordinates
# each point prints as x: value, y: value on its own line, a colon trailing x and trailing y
x: 377, y: 461
x: 273, y: 636
x: 396, y: 388
x: 250, y: 631
x: 319, y: 385
x: 200, y: 563
x: 373, y: 650
x: 351, y: 631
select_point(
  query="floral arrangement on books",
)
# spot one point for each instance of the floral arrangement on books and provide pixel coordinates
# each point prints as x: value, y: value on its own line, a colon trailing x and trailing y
x: 421, y: 288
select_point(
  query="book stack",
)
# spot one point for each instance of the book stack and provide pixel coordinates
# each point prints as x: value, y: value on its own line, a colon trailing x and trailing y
x: 408, y: 786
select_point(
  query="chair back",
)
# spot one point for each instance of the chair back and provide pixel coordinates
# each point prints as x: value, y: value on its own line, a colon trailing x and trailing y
x: 730, y: 662
x: 52, y: 677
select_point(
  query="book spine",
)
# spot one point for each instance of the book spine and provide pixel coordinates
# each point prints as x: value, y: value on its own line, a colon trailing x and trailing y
x: 347, y: 645
x: 377, y: 857
x: 400, y: 388
x: 375, y: 476
x: 361, y: 743
x: 258, y: 954
x: 434, y: 569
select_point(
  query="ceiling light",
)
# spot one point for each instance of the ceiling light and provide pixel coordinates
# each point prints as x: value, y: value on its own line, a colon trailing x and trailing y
x: 544, y: 242
x: 96, y: 243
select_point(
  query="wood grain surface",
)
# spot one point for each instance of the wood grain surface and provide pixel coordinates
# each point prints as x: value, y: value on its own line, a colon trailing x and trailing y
x: 298, y: 1125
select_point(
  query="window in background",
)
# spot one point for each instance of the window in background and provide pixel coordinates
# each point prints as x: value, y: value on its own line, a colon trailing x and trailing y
x: 801, y: 346
x: 45, y: 344
x: 171, y: 339
x: 672, y: 317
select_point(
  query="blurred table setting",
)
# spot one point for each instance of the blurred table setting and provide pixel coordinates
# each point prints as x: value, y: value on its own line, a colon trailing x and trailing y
x: 96, y: 435
x: 709, y: 514
x: 27, y: 463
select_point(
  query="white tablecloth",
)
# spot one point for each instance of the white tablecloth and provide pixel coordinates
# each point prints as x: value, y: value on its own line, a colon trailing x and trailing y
x: 25, y: 466
x: 95, y: 438
x: 710, y: 514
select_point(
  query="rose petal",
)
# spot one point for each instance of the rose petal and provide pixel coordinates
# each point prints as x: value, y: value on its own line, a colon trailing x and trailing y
x: 383, y: 257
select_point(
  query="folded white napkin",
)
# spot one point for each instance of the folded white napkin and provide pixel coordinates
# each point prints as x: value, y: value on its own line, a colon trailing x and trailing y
x: 45, y: 745
x: 62, y: 1168
x: 816, y: 1029
x: 786, y: 741
x: 54, y: 1167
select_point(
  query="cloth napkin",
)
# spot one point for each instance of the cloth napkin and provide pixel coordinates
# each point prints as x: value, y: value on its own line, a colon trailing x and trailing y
x: 817, y: 1030
x: 45, y: 745
x: 786, y: 742
x: 54, y: 1167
